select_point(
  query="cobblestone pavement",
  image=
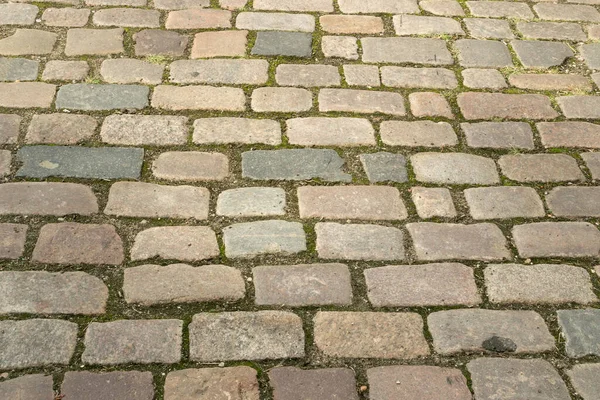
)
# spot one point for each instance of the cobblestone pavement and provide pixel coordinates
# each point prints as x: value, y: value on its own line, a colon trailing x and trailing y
x: 299, y: 200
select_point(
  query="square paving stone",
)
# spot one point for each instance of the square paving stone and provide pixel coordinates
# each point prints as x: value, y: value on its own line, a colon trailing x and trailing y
x: 581, y: 329
x: 13, y: 237
x: 276, y: 43
x: 483, y: 53
x: 9, y: 128
x: 591, y: 54
x: 291, y: 383
x: 384, y: 167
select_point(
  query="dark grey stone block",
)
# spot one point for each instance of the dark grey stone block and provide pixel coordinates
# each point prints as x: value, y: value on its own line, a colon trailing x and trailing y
x: 275, y: 43
x: 82, y: 96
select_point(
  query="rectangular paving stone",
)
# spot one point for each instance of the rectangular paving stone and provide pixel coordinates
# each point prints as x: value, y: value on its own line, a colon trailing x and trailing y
x: 18, y: 69
x: 540, y: 168
x: 12, y: 244
x: 501, y: 9
x: 291, y: 5
x: 180, y: 283
x: 180, y: 4
x: 36, y: 386
x: 509, y: 106
x: 433, y: 202
x: 486, y: 28
x: 361, y: 75
x: 129, y: 70
x: 219, y: 44
x: 177, y: 98
x: 591, y: 54
x: 66, y: 17
x: 470, y: 330
x: 9, y: 128
x: 157, y: 130
x: 454, y: 168
x: 80, y: 162
x: 127, y: 17
x: 60, y: 128
x: 483, y: 53
x: 429, y: 78
x: 191, y: 166
x: 384, y: 167
x: 26, y: 95
x: 429, y: 104
x: 240, y: 383
x: 406, y: 50
x: 88, y: 97
x: 351, y: 202
x: 232, y: 72
x: 366, y: 335
x: 504, y: 202
x: 567, y: 12
x: 421, y: 285
x: 581, y: 330
x: 572, y: 201
x: 514, y: 379
x: 437, y: 241
x: 292, y: 383
x: 260, y: 21
x: 76, y: 243
x: 540, y: 283
x: 582, y: 377
x: 499, y: 135
x: 442, y: 7
x: 302, y: 285
x: 359, y: 242
x: 137, y: 199
x: 557, y: 239
x: 406, y: 24
x: 480, y: 78
x: 281, y: 43
x: 186, y: 243
x: 406, y: 382
x: 196, y: 18
x: 132, y: 385
x: 36, y: 343
x: 541, y: 54
x: 580, y: 106
x: 236, y: 130
x: 294, y: 164
x: 260, y: 335
x: 47, y: 198
x: 57, y: 70
x: 340, y: 47
x: 251, y: 202
x: 133, y: 341
x: 251, y: 239
x: 160, y: 42
x: 378, y: 6
x: 344, y: 24
x: 550, y: 82
x: 569, y: 134
x: 323, y: 131
x: 278, y: 99
x: 592, y: 161
x: 18, y: 14
x: 28, y: 42
x: 94, y: 42
x: 5, y: 160
x: 307, y: 75
x: 417, y: 134
x: 361, y: 101
x: 41, y: 292
x: 552, y: 30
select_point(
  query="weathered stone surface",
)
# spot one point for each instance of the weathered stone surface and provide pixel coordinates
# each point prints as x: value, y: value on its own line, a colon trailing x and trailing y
x: 186, y: 243
x: 572, y: 201
x: 361, y: 75
x: 540, y: 167
x: 41, y: 292
x: 260, y: 335
x: 133, y: 341
x: 485, y: 28
x: 417, y: 133
x: 260, y: 21
x: 157, y: 130
x: 69, y: 17
x: 433, y: 202
x: 127, y: 17
x: 36, y: 343
x: 251, y: 239
x: 58, y: 70
x: 535, y: 54
x: 5, y: 160
x: 406, y: 50
x: 378, y: 6
x: 292, y: 5
x: 277, y: 99
x: 540, y: 283
x: 550, y: 82
x: 181, y: 283
x: 351, y: 202
x: 83, y: 96
x: 569, y: 134
x: 26, y: 95
x: 403, y: 382
x: 80, y: 162
x: 552, y: 30
x: 583, y: 379
x: 428, y: 104
x: 232, y: 72
x: 236, y: 130
x: 512, y: 379
x: 366, y: 335
x: 323, y: 131
x: 12, y: 243
x: 483, y: 53
x: 421, y: 285
x: 499, y: 135
x: 191, y: 166
x: 231, y: 383
x: 94, y: 42
x: 181, y: 4
x: 509, y: 106
x: 302, y: 285
x: 291, y: 383
x: 60, y: 128
x: 28, y: 42
x: 361, y: 101
x: 566, y: 12
x: 137, y: 199
x: 384, y: 167
x: 581, y: 330
x: 219, y: 44
x: 434, y: 241
x: 198, y: 98
x: 132, y: 385
x: 251, y: 202
x: 159, y: 42
x: 454, y: 168
x: 340, y: 46
x: 344, y: 24
x: 18, y: 69
x: 580, y: 106
x: 294, y: 164
x: 503, y: 202
x: 196, y: 18
x: 129, y: 70
x: 592, y: 161
x: 500, y: 9
x: 359, y: 242
x: 17, y: 14
x: 557, y: 239
x: 307, y: 75
x: 9, y: 128
x: 47, y: 198
x: 75, y: 243
x: 591, y: 54
x: 425, y: 25
x: 476, y: 78
x: 28, y: 387
x: 429, y: 78
x: 448, y: 8
x: 456, y: 331
x: 281, y: 43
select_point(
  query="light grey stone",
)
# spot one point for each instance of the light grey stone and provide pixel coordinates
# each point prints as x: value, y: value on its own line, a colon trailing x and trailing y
x: 125, y: 70
x: 58, y: 70
x: 406, y: 50
x: 60, y: 128
x: 251, y: 202
x: 483, y: 53
x: 186, y: 243
x: 581, y: 329
x: 454, y: 168
x: 230, y: 383
x: 261, y: 21
x: 236, y: 72
x: 251, y: 239
x: 18, y: 14
x: 406, y: 24
x: 534, y: 54
x: 552, y: 30
x: 428, y: 78
x: 557, y: 239
x: 307, y: 75
x: 503, y: 202
x: 9, y: 128
x: 82, y: 41
x: 417, y: 134
x: 583, y: 379
x: 485, y: 28
x: 476, y: 78
x: 158, y: 130
x: 572, y: 201
x: 540, y: 168
x: 501, y: 135
x: 82, y: 96
x: 433, y: 202
x: 18, y: 69
x: 12, y: 244
x: 28, y: 42
x: 236, y: 130
x: 384, y: 167
x: 38, y: 387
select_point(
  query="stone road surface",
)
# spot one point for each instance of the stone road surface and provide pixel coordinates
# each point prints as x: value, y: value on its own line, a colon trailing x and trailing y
x: 299, y: 200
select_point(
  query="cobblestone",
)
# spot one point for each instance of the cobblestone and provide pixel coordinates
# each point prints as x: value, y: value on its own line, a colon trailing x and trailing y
x: 236, y: 130
x: 198, y: 98
x: 433, y: 202
x: 418, y: 134
x: 361, y: 101
x: 135, y: 130
x: 557, y: 239
x: 499, y: 135
x: 278, y: 99
x: 186, y: 243
x: 509, y: 106
x: 28, y: 42
x: 238, y: 383
x: 574, y: 201
x: 278, y: 43
x: 251, y: 202
x: 580, y: 106
x: 26, y: 95
x: 324, y: 131
x: 191, y: 166
x: 427, y: 78
x: 68, y: 17
x: 582, y: 379
x: 406, y: 50
x: 251, y: 239
x: 65, y: 71
x: 534, y: 54
x: 195, y: 18
x: 580, y: 330
x: 454, y: 168
x: 259, y: 21
x: 551, y: 30
x: 18, y: 69
x: 475, y: 78
x: 83, y: 96
x: 307, y: 75
x: 504, y: 202
x: 94, y: 42
x: 36, y: 386
x: 159, y: 42
x: 483, y: 53
x: 344, y: 24
x: 233, y: 72
x: 540, y: 168
x: 384, y: 167
x: 13, y: 240
x: 220, y: 44
x: 550, y: 82
x: 9, y: 128
x: 133, y: 385
x: 17, y: 14
x: 131, y: 71
x: 569, y: 134
x: 291, y: 383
